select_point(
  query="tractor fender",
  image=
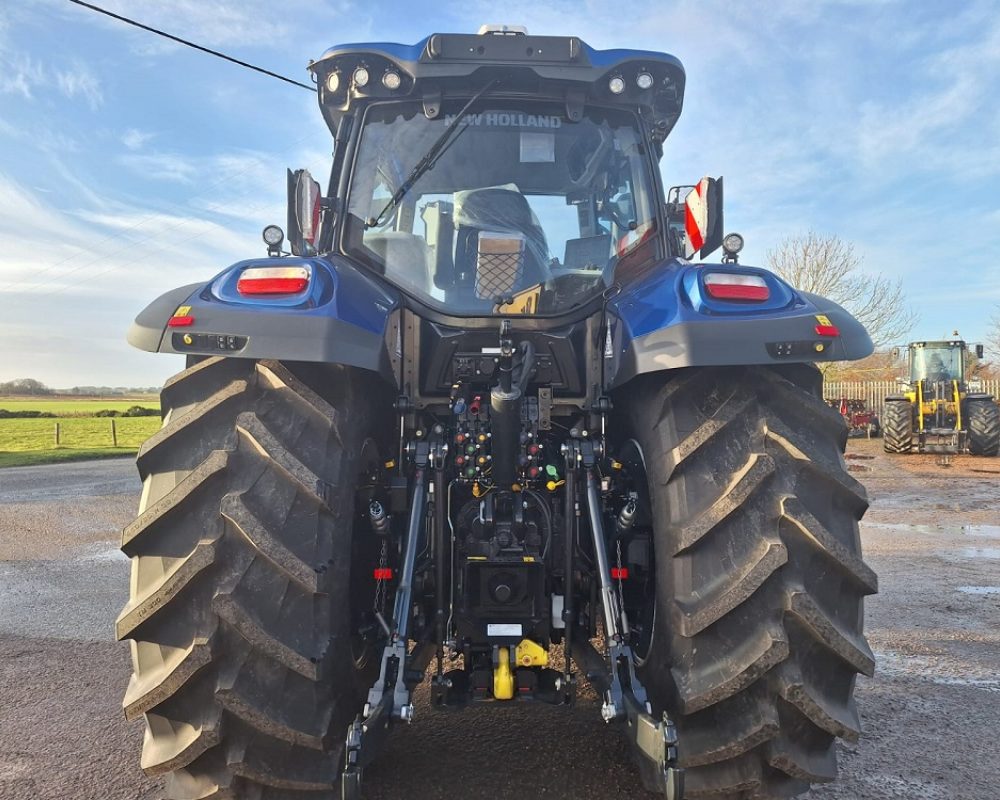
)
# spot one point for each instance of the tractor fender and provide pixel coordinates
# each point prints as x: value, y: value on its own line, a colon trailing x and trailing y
x: 343, y: 317
x: 668, y: 322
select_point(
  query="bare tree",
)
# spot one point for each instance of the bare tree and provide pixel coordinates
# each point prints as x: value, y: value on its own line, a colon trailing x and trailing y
x: 882, y: 365
x: 828, y: 266
x: 993, y: 342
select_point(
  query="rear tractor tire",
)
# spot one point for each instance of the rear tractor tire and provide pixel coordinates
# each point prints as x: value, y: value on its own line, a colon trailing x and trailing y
x: 242, y: 616
x: 757, y: 613
x: 897, y: 426
x: 984, y: 426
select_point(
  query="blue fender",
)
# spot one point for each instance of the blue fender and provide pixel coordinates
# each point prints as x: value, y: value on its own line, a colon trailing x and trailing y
x: 667, y: 320
x: 342, y: 317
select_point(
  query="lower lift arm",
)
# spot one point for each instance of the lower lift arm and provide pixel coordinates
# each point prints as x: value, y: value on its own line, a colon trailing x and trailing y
x: 624, y: 696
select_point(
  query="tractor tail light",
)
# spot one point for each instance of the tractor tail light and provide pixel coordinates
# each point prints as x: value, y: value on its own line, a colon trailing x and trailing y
x: 273, y: 280
x: 736, y: 286
x: 827, y: 330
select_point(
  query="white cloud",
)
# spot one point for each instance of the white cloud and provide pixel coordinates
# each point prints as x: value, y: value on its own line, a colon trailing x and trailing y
x: 19, y: 74
x: 135, y: 139
x: 113, y: 249
x: 90, y: 270
x: 172, y: 167
x: 242, y: 23
x: 79, y: 81
x: 24, y: 76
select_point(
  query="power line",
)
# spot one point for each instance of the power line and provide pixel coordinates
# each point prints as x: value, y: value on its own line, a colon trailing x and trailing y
x: 192, y: 44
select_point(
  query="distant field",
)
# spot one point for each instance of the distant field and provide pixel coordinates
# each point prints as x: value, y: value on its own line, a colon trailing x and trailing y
x: 81, y: 435
x: 79, y: 407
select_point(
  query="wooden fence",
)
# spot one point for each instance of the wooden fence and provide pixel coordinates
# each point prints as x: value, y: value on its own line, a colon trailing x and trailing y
x: 875, y: 392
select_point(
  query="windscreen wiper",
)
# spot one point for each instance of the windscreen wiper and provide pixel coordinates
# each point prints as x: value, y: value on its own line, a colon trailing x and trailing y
x: 429, y: 159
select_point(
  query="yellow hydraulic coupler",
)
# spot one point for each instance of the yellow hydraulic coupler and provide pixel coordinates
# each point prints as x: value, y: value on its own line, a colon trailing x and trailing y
x: 527, y: 654
x: 530, y: 654
x: 503, y: 677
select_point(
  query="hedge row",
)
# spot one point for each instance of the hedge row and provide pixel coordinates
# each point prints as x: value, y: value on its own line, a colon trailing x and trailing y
x: 133, y: 411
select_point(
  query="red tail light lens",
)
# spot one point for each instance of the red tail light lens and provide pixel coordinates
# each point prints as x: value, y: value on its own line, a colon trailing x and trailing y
x: 734, y: 286
x: 828, y: 330
x: 273, y: 281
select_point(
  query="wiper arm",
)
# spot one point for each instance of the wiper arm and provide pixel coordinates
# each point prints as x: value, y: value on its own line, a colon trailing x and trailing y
x: 434, y: 152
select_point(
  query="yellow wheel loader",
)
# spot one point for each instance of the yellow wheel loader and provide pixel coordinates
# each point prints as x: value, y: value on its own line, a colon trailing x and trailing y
x: 938, y: 411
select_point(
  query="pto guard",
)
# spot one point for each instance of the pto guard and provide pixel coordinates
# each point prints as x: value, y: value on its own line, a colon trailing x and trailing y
x: 668, y: 321
x: 342, y: 317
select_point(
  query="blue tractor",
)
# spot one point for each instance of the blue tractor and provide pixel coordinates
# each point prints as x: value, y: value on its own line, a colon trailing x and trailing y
x: 485, y: 412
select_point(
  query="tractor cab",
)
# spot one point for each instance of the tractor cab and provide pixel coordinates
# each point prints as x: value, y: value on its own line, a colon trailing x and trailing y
x: 500, y: 173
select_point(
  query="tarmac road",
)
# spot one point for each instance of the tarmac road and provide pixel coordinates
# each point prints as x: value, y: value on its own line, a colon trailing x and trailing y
x: 931, y: 714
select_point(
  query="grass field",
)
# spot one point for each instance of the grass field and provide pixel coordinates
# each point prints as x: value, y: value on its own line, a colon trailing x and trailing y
x: 81, y: 435
x: 81, y: 407
x: 76, y: 432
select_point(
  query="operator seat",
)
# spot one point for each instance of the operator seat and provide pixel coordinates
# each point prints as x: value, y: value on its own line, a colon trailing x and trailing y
x: 936, y: 370
x: 498, y: 210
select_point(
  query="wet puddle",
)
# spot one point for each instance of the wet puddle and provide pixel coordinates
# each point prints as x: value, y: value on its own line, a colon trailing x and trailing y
x: 992, y: 531
x: 944, y: 670
x: 978, y: 552
x: 989, y: 531
x: 979, y: 590
x: 902, y: 526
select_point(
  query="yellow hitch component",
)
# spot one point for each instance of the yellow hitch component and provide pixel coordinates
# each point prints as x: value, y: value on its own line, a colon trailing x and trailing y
x: 920, y: 404
x: 477, y: 490
x: 530, y: 654
x: 503, y: 678
x: 958, y: 406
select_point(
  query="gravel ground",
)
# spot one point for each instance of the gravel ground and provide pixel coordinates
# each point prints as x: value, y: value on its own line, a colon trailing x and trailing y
x: 930, y: 714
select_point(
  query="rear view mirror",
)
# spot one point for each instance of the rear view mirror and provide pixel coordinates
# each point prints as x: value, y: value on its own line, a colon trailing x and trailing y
x: 304, y: 206
x: 698, y: 220
x: 979, y: 351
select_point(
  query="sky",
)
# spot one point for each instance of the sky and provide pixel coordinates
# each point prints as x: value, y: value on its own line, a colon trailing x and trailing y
x: 130, y: 165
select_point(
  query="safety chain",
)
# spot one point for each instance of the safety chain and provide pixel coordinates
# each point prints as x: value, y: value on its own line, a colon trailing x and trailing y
x: 620, y: 573
x: 381, y: 583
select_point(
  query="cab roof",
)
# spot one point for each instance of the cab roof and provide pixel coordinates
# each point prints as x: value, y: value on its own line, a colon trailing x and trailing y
x: 457, y: 64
